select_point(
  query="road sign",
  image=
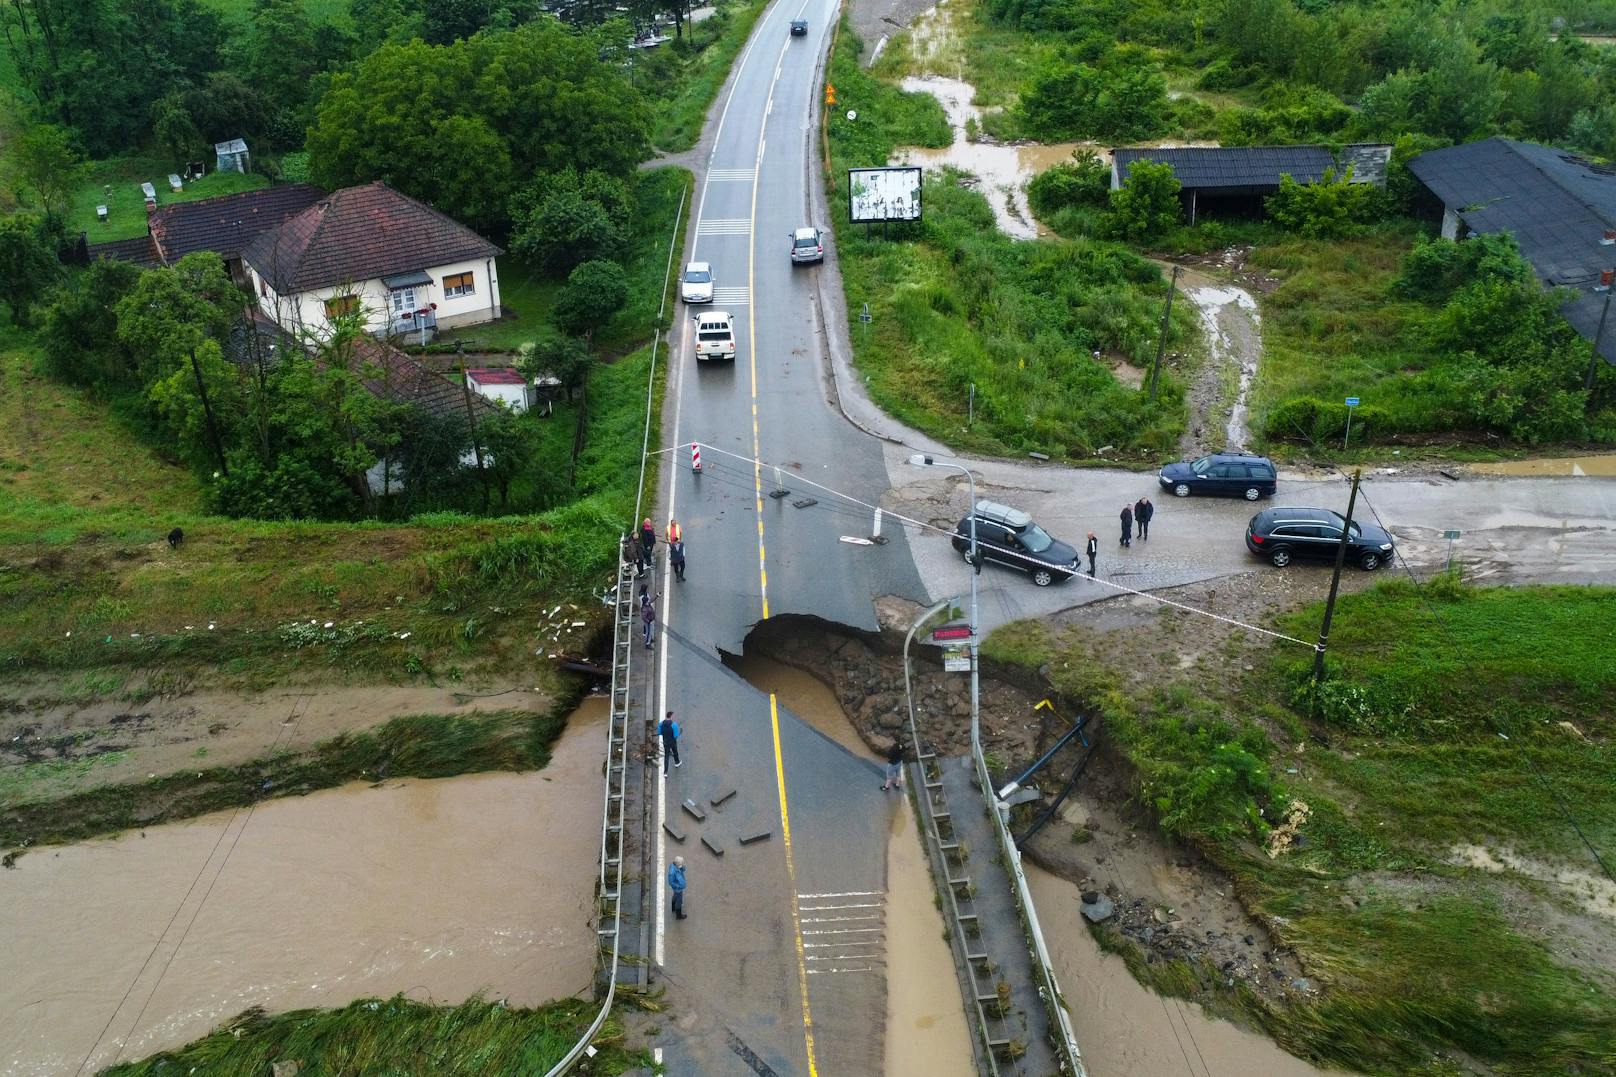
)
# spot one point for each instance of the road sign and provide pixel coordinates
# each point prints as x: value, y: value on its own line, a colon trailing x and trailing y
x: 951, y: 632
x: 957, y: 659
x: 1451, y: 535
x: 865, y: 316
x: 1352, y: 401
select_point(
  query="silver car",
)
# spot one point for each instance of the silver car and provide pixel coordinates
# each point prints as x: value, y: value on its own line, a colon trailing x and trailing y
x: 807, y: 245
x: 696, y: 286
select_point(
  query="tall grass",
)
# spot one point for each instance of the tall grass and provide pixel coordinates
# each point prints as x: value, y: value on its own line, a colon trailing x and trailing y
x: 683, y: 78
x: 955, y: 304
x: 397, y: 1036
x: 412, y: 746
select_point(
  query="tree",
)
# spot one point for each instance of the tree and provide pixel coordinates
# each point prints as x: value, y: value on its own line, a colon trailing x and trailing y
x: 507, y: 445
x: 564, y: 220
x: 1125, y: 98
x: 281, y: 55
x: 1146, y: 205
x: 44, y: 163
x: 173, y: 126
x: 453, y: 125
x: 28, y: 267
x: 80, y: 326
x: 595, y: 291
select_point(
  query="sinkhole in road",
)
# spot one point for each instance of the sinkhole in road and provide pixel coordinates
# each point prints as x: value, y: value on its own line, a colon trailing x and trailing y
x: 848, y: 685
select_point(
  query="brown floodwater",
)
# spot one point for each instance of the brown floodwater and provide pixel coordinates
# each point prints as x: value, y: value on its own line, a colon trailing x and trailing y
x: 1122, y: 1027
x: 804, y: 695
x: 438, y: 889
x: 1576, y: 466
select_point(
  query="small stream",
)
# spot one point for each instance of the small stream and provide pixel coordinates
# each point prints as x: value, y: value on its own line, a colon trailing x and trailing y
x: 438, y: 889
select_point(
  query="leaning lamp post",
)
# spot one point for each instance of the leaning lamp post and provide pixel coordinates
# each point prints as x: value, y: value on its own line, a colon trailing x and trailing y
x: 924, y: 460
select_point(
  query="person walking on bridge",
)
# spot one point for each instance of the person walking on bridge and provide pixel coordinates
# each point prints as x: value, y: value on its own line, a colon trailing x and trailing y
x: 676, y: 550
x: 668, y: 730
x: 647, y: 541
x: 676, y: 883
x: 648, y: 618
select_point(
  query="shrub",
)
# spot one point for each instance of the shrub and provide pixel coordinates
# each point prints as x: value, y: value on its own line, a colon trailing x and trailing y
x: 1147, y: 205
x: 1083, y: 181
x: 1332, y: 208
x: 1122, y: 99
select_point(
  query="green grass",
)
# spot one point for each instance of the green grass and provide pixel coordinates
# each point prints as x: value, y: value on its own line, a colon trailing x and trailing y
x: 1402, y: 764
x: 683, y: 81
x: 127, y: 205
x: 413, y: 746
x: 955, y: 303
x: 398, y: 1036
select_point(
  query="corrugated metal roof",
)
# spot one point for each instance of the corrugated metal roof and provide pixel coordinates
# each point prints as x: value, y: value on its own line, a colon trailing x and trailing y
x: 1257, y: 169
x: 1556, y: 204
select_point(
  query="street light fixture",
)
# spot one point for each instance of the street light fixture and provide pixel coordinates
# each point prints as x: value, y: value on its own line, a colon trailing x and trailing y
x: 925, y: 460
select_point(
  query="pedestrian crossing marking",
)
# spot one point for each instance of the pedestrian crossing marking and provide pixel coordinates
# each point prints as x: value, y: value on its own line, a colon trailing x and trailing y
x: 731, y: 175
x: 830, y: 951
x: 733, y: 295
x: 724, y: 226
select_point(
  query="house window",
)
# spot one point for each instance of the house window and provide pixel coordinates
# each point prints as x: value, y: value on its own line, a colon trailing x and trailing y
x: 338, y: 305
x: 403, y: 302
x: 458, y: 284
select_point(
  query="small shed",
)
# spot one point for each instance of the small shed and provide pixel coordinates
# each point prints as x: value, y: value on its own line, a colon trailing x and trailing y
x: 1235, y: 179
x: 232, y: 156
x: 503, y: 385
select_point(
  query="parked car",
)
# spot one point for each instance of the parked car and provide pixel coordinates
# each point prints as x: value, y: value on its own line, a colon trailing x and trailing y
x: 807, y: 245
x: 1286, y: 535
x: 1232, y: 474
x: 1009, y: 536
x: 799, y: 27
x: 715, y: 335
x: 696, y: 286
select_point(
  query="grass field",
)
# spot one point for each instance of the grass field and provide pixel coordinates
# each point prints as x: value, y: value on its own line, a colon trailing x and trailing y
x: 398, y: 1036
x: 956, y: 303
x: 1400, y: 761
x: 126, y: 203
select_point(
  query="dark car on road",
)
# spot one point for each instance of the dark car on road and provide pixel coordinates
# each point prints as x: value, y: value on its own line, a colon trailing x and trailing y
x: 1231, y: 474
x: 1009, y: 536
x: 1286, y: 535
x: 799, y: 27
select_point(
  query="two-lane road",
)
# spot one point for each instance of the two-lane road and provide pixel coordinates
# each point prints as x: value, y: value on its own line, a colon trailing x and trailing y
x: 781, y: 963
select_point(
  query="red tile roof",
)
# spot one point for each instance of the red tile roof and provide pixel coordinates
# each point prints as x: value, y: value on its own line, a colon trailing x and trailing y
x: 226, y: 224
x: 503, y: 375
x: 140, y: 250
x: 402, y: 379
x: 358, y: 234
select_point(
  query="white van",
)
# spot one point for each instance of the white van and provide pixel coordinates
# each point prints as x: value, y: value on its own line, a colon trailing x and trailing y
x: 715, y: 335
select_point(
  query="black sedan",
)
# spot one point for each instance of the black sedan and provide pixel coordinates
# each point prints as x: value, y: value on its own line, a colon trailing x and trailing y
x: 1286, y: 535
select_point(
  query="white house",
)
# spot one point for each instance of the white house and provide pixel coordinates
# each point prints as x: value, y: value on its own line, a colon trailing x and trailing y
x: 409, y: 268
x: 502, y: 385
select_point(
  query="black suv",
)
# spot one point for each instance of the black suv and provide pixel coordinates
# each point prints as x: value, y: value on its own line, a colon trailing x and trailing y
x: 799, y: 27
x: 1284, y: 535
x: 1233, y: 474
x: 1009, y: 536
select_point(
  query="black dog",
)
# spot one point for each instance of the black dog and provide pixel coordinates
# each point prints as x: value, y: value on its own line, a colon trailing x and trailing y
x: 175, y: 537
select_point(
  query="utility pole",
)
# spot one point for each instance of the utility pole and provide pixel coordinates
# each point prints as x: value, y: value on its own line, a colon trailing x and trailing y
x: 1593, y: 360
x: 1335, y: 583
x: 1161, y: 340
x: 471, y: 421
x: 207, y: 413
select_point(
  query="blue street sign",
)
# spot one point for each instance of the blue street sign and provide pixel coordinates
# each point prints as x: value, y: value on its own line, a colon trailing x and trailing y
x: 1352, y: 401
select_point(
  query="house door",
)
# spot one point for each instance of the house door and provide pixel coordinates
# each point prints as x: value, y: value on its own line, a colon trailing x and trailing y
x: 403, y: 303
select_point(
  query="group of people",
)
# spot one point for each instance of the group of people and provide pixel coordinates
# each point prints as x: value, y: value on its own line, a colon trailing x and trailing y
x: 1136, y: 515
x: 641, y: 548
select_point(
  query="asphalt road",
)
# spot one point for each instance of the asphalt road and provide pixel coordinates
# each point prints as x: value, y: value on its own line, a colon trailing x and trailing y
x: 780, y: 966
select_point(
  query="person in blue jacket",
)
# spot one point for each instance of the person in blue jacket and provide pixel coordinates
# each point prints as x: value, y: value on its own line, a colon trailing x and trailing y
x: 676, y: 883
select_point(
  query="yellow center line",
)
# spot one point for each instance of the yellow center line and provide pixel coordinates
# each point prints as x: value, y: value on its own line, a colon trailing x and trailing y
x: 751, y: 359
x: 791, y: 874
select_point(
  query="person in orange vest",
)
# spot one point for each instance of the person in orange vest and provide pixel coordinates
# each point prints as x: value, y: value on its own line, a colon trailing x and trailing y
x: 676, y: 549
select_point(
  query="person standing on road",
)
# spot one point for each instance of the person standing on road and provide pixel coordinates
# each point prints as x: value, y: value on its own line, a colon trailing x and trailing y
x: 1127, y: 525
x: 633, y: 553
x: 894, y: 766
x: 1142, y: 512
x: 676, y: 549
x: 647, y: 541
x: 668, y: 729
x: 1093, y: 550
x: 676, y: 883
x: 648, y: 617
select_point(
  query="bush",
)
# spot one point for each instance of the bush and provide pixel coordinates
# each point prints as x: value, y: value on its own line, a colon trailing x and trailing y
x: 1332, y: 208
x: 1123, y: 99
x: 1308, y: 419
x: 1083, y: 181
x: 1146, y: 205
x: 1436, y: 268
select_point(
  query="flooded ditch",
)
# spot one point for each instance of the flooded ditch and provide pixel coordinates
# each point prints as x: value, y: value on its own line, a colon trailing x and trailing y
x: 437, y: 889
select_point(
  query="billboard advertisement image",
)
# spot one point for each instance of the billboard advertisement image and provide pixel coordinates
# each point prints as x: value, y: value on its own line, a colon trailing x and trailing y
x: 883, y: 194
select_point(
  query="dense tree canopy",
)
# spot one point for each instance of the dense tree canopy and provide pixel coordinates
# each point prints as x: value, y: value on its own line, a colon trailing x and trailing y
x: 455, y: 125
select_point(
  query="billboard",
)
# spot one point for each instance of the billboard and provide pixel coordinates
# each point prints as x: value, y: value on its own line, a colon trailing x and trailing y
x: 883, y: 194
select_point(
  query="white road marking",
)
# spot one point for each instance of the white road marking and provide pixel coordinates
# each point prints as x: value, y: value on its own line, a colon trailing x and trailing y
x: 724, y: 226
x: 842, y: 894
x: 738, y: 295
x: 731, y: 175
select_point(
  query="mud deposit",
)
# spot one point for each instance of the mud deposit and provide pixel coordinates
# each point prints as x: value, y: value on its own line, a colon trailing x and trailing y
x: 1124, y: 1028
x: 438, y: 889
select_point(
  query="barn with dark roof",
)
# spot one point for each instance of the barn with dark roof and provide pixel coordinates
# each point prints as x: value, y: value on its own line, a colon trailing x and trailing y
x: 1235, y: 179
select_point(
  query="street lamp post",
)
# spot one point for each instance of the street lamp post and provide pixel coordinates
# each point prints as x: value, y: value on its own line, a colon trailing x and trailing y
x: 923, y: 460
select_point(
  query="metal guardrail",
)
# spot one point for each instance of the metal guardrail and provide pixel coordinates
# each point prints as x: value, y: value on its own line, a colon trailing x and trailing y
x: 1054, y: 1001
x: 611, y: 834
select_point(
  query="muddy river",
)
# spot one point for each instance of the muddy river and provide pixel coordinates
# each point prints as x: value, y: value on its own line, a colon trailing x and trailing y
x: 1126, y: 1029
x: 438, y: 889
